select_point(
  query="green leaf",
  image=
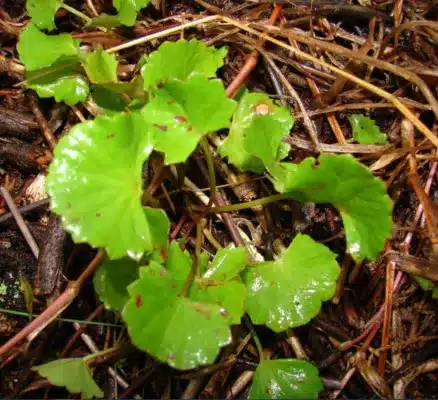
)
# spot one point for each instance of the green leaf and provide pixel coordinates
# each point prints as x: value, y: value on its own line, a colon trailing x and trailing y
x: 256, y: 131
x: 174, y: 329
x: 178, y: 262
x: 220, y: 284
x: 38, y: 50
x: 101, y: 67
x: 289, y: 292
x: 285, y: 379
x: 71, y: 373
x: 61, y: 81
x: 111, y: 281
x: 96, y: 186
x: 128, y: 10
x: 227, y: 264
x: 343, y: 181
x: 105, y: 21
x: 110, y: 101
x: 181, y: 60
x: 427, y: 285
x: 365, y: 130
x: 42, y: 12
x: 183, y: 112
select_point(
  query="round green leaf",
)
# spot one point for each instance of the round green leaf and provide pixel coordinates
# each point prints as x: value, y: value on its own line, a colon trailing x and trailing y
x: 256, y: 131
x: 38, y: 50
x: 285, y: 379
x: 73, y: 374
x: 174, y: 329
x: 289, y: 292
x: 181, y: 60
x: 227, y: 264
x: 343, y: 181
x: 128, y: 10
x: 230, y: 295
x: 112, y: 279
x: 96, y: 186
x: 71, y: 89
x: 101, y: 67
x: 365, y: 130
x: 184, y: 111
x: 43, y: 12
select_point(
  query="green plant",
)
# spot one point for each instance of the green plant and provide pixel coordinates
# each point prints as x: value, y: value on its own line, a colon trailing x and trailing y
x: 177, y: 307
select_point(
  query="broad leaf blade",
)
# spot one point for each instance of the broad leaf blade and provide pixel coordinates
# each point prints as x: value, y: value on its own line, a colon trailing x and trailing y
x: 285, y: 379
x: 343, y: 181
x: 229, y: 295
x: 365, y: 130
x: 72, y: 373
x: 256, y: 131
x: 101, y: 67
x: 176, y: 330
x: 43, y: 12
x: 227, y: 264
x: 178, y: 262
x: 180, y: 60
x: 183, y: 112
x: 289, y: 292
x: 128, y: 10
x: 32, y: 41
x: 111, y: 282
x: 95, y: 184
x: 62, y: 80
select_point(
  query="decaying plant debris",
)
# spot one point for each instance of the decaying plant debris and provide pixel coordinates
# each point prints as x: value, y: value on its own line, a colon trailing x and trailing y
x: 325, y: 61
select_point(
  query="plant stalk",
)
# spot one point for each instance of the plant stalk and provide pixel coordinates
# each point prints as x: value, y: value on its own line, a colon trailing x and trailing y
x: 250, y: 204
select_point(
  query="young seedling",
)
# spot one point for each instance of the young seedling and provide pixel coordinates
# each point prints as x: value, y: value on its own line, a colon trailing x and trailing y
x: 176, y: 307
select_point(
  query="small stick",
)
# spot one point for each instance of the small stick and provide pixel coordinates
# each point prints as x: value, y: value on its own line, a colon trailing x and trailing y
x: 252, y: 60
x: 20, y: 222
x: 25, y: 209
x: 54, y: 309
x: 41, y: 120
x: 94, y: 349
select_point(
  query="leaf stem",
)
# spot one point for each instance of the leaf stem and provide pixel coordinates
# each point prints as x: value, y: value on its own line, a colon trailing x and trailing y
x: 254, y: 335
x: 70, y: 320
x: 211, y: 174
x: 195, y: 265
x: 101, y: 353
x: 250, y: 204
x: 79, y: 14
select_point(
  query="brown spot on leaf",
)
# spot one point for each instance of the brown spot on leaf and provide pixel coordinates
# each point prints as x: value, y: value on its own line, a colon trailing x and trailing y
x: 151, y: 272
x: 189, y: 128
x: 180, y: 118
x: 224, y: 313
x: 161, y: 127
x: 160, y: 85
x: 68, y: 205
x: 163, y: 253
x: 111, y: 136
x: 98, y: 214
x: 163, y: 272
x: 171, y: 102
x: 138, y: 301
x: 315, y: 164
x: 172, y: 283
x: 76, y: 219
x: 171, y: 356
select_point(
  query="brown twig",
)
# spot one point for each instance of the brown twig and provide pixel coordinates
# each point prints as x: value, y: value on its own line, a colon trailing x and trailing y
x: 41, y: 120
x: 20, y: 222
